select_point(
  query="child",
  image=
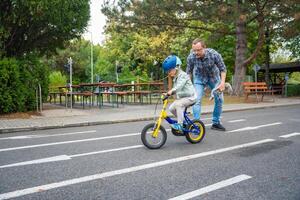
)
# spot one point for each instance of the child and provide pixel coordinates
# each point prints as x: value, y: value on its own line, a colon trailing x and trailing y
x: 182, y: 86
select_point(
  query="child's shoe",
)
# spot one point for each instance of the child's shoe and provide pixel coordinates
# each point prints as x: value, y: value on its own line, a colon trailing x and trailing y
x: 177, y: 127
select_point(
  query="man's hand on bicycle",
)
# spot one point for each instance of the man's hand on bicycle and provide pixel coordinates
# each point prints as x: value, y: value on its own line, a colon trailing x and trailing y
x: 221, y: 86
x: 216, y: 90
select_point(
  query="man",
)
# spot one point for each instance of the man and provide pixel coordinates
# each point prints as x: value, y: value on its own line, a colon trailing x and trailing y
x: 206, y: 68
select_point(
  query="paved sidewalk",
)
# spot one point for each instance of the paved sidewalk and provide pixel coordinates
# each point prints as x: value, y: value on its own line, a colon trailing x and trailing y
x: 56, y: 118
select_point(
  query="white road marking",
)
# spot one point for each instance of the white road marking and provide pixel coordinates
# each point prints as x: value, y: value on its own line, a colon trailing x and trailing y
x: 289, y: 135
x: 17, y: 137
x: 254, y: 127
x: 237, y: 120
x: 38, y: 161
x: 93, y: 177
x: 41, y: 136
x: 68, y: 142
x: 207, y: 118
x: 108, y: 150
x: 73, y: 133
x: 212, y: 187
x: 67, y: 157
x: 83, y: 140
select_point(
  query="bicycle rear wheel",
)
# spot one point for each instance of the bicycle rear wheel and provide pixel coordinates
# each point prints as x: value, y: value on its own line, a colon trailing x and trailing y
x: 196, y: 132
x: 153, y: 142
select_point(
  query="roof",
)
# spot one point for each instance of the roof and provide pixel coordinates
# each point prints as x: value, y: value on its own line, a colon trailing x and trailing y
x: 283, y: 67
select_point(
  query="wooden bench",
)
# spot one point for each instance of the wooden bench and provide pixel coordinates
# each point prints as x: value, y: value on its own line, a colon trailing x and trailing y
x: 257, y: 88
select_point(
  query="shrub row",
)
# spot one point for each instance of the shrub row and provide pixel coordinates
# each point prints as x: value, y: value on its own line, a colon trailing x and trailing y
x: 19, y: 80
x: 293, y: 90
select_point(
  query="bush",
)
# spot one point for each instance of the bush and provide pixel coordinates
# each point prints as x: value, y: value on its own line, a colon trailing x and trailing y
x: 11, y: 94
x: 18, y: 83
x: 56, y: 79
x: 293, y: 90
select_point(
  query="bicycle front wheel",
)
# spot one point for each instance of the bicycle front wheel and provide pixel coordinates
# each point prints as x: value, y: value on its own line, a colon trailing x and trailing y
x: 196, y: 132
x: 153, y: 142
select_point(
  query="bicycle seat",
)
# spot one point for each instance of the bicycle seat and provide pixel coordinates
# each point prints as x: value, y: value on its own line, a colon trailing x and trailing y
x: 189, y: 106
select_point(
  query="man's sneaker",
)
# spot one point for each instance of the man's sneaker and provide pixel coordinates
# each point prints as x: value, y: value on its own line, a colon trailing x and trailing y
x: 177, y: 127
x: 218, y: 127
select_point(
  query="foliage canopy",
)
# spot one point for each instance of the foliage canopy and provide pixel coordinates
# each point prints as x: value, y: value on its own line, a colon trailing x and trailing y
x: 246, y: 22
x: 40, y: 25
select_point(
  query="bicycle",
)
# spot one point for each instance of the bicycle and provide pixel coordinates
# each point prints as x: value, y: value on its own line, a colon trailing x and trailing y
x: 154, y: 135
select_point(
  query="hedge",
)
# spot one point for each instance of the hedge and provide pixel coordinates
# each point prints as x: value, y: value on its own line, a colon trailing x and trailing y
x: 293, y: 90
x: 18, y: 82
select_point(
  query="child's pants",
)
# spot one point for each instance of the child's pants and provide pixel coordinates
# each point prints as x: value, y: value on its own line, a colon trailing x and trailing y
x: 178, y: 106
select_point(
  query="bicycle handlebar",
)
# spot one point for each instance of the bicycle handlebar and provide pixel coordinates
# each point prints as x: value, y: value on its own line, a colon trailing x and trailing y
x: 164, y: 97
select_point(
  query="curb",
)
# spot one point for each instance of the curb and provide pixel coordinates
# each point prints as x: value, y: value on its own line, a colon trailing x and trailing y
x: 10, y: 130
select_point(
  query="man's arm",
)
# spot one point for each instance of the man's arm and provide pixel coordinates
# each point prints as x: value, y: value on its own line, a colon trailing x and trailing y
x: 189, y: 67
x: 222, y: 84
x: 220, y: 64
x: 191, y: 77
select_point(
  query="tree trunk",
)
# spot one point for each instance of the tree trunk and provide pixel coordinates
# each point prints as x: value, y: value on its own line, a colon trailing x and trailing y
x: 241, y: 48
x: 241, y: 45
x: 267, y: 66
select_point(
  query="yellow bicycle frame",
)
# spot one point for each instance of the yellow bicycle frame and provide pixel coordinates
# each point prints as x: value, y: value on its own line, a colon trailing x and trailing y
x: 163, y: 115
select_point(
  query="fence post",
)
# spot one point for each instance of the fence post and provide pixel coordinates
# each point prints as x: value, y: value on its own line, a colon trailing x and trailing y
x: 286, y: 78
x: 41, y: 99
x: 37, y: 100
x: 70, y: 62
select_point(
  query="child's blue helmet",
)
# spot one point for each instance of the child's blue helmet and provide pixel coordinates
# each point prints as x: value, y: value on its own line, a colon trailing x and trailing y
x: 171, y: 62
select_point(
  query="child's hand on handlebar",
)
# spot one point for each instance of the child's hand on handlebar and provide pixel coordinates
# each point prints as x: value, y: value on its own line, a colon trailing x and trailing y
x: 170, y: 92
x: 164, y: 96
x: 167, y: 95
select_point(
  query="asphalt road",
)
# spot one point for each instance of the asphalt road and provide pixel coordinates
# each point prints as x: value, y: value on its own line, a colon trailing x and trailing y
x: 258, y: 157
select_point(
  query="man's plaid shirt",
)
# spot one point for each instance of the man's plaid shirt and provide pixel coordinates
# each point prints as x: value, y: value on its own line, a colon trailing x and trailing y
x: 205, y: 69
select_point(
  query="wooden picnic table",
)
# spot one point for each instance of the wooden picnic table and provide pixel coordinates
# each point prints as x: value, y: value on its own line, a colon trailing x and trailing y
x: 99, y: 84
x: 113, y: 92
x: 135, y: 89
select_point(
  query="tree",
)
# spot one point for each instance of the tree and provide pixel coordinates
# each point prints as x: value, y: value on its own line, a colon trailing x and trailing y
x: 40, y: 25
x: 56, y: 79
x: 80, y: 51
x: 136, y: 52
x: 294, y: 46
x: 238, y: 18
